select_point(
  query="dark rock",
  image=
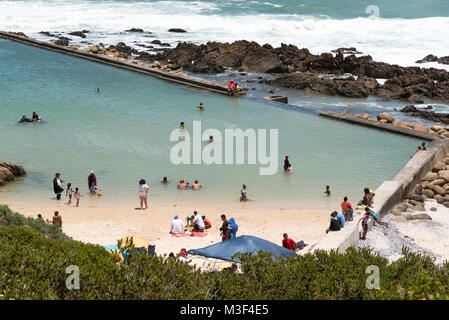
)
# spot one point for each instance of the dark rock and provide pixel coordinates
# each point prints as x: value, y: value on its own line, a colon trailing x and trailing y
x: 135, y: 30
x: 165, y: 44
x: 428, y: 58
x: 78, y: 34
x: 62, y: 41
x: 177, y: 30
x: 48, y: 34
x: 426, y: 114
x: 156, y: 42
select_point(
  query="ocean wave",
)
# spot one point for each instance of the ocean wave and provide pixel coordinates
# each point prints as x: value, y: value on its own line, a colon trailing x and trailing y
x: 399, y: 41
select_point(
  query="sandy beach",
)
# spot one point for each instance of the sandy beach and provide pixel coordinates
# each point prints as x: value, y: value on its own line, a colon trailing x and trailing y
x: 106, y: 225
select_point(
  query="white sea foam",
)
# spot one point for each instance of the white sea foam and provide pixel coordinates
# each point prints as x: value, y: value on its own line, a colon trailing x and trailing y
x: 400, y: 41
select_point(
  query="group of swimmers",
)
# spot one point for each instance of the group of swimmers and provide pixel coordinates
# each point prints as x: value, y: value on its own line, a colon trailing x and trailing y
x: 34, y: 118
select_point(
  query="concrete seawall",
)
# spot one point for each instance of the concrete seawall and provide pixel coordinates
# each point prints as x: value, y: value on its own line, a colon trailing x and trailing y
x: 389, y: 193
x: 131, y: 65
x: 378, y: 125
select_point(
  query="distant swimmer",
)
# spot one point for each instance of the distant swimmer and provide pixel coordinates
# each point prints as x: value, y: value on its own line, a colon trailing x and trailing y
x: 182, y: 185
x: 97, y: 90
x: 211, y: 139
x: 196, y: 185
x: 165, y: 180
x: 35, y: 117
x: 200, y: 106
x: 243, y: 196
x: 181, y: 126
x: 25, y: 119
x: 327, y: 191
x: 286, y: 163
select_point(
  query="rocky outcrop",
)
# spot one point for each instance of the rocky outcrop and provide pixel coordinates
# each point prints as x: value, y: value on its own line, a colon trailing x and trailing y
x: 80, y: 34
x: 9, y: 172
x: 428, y: 114
x: 62, y: 41
x: 406, y: 83
x: 432, y: 58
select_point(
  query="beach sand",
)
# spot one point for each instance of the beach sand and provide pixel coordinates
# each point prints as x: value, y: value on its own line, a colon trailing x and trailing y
x: 106, y: 225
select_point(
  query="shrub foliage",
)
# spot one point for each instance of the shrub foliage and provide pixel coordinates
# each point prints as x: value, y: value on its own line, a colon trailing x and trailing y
x: 34, y: 258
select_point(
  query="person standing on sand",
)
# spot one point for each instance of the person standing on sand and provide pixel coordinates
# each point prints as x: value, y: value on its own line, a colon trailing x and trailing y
x: 224, y: 228
x: 232, y: 229
x: 77, y: 196
x: 91, y: 181
x: 143, y: 193
x: 57, y: 186
x: 57, y: 219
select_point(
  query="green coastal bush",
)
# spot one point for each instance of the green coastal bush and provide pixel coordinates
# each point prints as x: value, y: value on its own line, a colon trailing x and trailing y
x: 8, y: 217
x: 33, y: 266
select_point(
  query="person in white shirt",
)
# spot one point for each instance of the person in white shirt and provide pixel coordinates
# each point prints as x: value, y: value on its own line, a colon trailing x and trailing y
x: 177, y: 225
x: 143, y: 193
x: 183, y: 256
x: 198, y: 222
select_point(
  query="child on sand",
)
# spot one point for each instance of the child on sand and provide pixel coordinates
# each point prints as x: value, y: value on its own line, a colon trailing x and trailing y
x: 69, y: 193
x: 77, y: 196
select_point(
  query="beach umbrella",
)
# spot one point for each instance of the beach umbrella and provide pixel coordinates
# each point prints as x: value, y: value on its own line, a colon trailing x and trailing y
x: 244, y: 244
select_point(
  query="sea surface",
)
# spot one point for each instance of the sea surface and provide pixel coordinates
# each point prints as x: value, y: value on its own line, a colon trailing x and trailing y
x: 123, y: 134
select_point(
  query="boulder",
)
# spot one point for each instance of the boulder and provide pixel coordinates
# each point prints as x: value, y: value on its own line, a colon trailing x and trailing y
x: 419, y: 127
x: 439, y: 190
x: 365, y: 116
x: 444, y: 174
x: 417, y: 197
x: 6, y: 174
x: 418, y: 216
x: 262, y: 62
x: 402, y: 207
x: 433, y: 209
x: 439, y: 166
x: 432, y: 176
x: 385, y: 116
x: 437, y: 182
x: 428, y: 193
x: 446, y: 204
x: 135, y: 30
x: 62, y: 41
x: 437, y: 127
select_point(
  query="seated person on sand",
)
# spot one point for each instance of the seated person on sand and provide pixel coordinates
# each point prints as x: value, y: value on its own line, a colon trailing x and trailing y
x: 290, y: 244
x: 207, y: 223
x: 183, y: 256
x: 200, y: 106
x: 335, y: 224
x: 243, y: 196
x: 198, y: 223
x: 182, y: 185
x: 190, y: 221
x: 165, y: 180
x: 177, y: 225
x: 196, y: 185
x: 57, y: 219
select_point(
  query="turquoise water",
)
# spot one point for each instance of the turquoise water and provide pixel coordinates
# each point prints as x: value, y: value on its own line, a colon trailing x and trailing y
x: 123, y: 135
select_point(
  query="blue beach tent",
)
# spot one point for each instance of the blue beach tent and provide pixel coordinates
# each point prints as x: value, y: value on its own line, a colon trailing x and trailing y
x: 226, y: 249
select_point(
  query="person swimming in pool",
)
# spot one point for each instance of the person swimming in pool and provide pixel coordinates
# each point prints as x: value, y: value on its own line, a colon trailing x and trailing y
x: 165, y: 180
x: 200, y: 106
x: 25, y: 119
x: 181, y: 126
